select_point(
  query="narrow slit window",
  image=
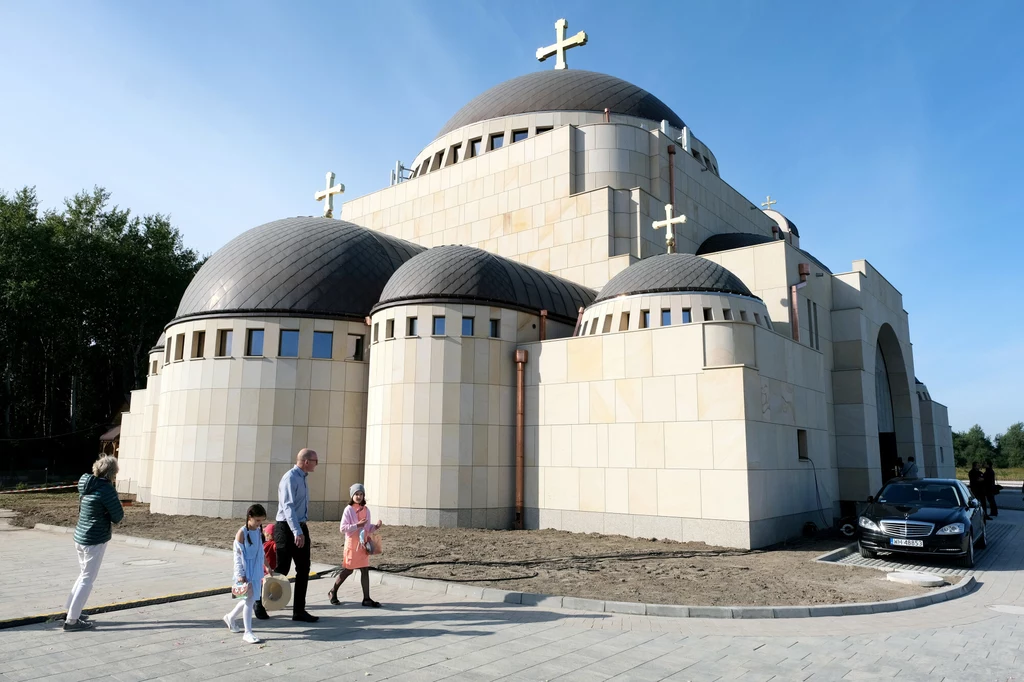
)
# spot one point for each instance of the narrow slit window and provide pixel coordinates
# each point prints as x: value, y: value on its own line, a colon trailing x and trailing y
x: 543, y: 129
x: 708, y: 315
x: 583, y: 331
x: 519, y: 135
x: 179, y: 347
x: 454, y: 154
x: 153, y: 369
x: 624, y: 322
x: 757, y: 318
x: 645, y: 319
x: 198, y: 344
x: 687, y: 318
x: 412, y: 328
x: 666, y: 317
x: 467, y: 326
x: 810, y: 325
x: 438, y: 326
x: 474, y: 147
x: 425, y: 167
x: 376, y: 332
x: 727, y: 313
x: 289, y: 343
x: 389, y: 329
x: 607, y: 324
x: 817, y: 330
x: 224, y: 342
x: 768, y: 322
x: 495, y: 330
x: 254, y: 342
x: 167, y: 354
x: 437, y: 161
x: 497, y: 140
x: 743, y: 315
x: 801, y: 444
x: 593, y: 326
x: 323, y: 345
x: 355, y: 347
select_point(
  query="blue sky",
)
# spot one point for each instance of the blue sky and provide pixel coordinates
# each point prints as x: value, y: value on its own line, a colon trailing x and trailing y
x: 887, y: 131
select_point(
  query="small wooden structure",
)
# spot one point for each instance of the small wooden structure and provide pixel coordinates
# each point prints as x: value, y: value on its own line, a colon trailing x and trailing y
x: 110, y: 442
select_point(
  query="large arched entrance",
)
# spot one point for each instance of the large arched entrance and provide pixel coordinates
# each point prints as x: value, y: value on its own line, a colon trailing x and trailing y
x: 892, y: 403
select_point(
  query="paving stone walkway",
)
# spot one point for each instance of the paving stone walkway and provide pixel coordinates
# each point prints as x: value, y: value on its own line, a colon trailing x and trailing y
x: 420, y: 637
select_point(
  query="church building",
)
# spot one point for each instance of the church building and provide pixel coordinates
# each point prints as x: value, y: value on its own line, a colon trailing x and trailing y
x: 559, y: 316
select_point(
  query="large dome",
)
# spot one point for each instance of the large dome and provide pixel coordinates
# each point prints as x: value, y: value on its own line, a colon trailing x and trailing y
x: 317, y: 266
x: 562, y: 90
x: 673, y: 273
x: 468, y: 275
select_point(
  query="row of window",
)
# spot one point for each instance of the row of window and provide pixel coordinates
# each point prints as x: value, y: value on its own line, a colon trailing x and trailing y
x: 288, y: 346
x: 474, y: 148
x: 666, y: 320
x: 708, y: 163
x: 438, y: 327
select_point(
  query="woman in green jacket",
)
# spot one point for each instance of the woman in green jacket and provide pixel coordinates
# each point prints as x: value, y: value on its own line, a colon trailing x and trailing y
x: 99, y: 507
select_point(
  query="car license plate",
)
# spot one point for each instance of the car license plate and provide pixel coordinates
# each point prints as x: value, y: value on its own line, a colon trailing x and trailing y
x: 900, y: 542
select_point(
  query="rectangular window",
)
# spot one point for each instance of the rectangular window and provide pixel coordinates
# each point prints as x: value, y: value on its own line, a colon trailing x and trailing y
x: 707, y: 161
x: 198, y: 344
x: 666, y: 317
x: 583, y: 332
x: 425, y: 167
x: 355, y: 348
x: 593, y: 326
x: 543, y: 129
x: 696, y: 154
x: 323, y: 345
x: 467, y: 326
x: 607, y: 324
x: 757, y: 318
x: 768, y: 322
x: 289, y: 347
x: 801, y: 443
x: 474, y: 147
x: 153, y: 368
x: 942, y: 454
x: 497, y: 139
x: 179, y: 347
x: 727, y: 313
x: 708, y: 315
x: 455, y: 154
x: 389, y: 329
x: 495, y: 329
x: 438, y: 325
x: 645, y: 319
x: 817, y: 331
x: 376, y: 330
x: 254, y: 342
x: 743, y: 315
x: 519, y: 135
x: 686, y: 316
x: 437, y: 161
x: 624, y: 322
x: 224, y: 342
x: 412, y: 328
x: 810, y: 325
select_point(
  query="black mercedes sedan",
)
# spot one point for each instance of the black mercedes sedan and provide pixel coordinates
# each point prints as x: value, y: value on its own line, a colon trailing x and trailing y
x: 924, y: 516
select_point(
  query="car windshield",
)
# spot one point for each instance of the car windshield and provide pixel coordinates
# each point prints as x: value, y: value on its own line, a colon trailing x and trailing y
x: 923, y: 494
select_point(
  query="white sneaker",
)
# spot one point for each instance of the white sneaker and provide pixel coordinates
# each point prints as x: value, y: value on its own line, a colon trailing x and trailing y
x: 232, y: 625
x: 250, y: 638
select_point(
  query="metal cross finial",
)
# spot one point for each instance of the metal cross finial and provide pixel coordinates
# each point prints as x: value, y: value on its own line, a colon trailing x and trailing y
x: 667, y: 223
x: 561, y: 44
x: 768, y: 204
x: 329, y: 195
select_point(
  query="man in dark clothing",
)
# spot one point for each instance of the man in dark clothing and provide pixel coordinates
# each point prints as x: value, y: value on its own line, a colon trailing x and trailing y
x: 977, y: 484
x: 988, y: 478
x: 291, y: 535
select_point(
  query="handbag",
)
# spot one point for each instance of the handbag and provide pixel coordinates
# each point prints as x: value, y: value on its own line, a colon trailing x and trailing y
x: 240, y: 589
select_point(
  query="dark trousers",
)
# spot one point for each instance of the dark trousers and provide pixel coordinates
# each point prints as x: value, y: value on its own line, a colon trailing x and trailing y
x: 978, y: 493
x: 993, y: 508
x: 286, y: 552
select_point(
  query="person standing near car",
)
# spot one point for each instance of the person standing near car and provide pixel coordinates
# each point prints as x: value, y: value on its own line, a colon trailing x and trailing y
x: 910, y: 469
x: 989, y: 479
x: 977, y: 485
x: 291, y: 536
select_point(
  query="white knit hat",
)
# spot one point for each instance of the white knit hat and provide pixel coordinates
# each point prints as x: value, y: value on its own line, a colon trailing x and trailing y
x: 356, y: 488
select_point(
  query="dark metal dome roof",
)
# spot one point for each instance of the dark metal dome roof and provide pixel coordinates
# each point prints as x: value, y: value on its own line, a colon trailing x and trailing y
x: 469, y: 275
x: 673, y: 273
x: 562, y: 90
x: 317, y: 266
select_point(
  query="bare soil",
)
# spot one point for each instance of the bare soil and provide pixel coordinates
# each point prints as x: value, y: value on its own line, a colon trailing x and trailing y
x: 610, y: 567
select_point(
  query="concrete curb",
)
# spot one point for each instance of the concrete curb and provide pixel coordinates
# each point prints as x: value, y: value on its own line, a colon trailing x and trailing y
x: 837, y: 554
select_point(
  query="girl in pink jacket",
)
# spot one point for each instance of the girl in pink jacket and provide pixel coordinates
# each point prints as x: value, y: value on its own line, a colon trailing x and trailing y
x: 356, y: 519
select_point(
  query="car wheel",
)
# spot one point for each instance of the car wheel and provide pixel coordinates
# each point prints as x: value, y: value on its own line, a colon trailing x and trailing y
x: 967, y: 560
x: 982, y: 541
x: 866, y: 553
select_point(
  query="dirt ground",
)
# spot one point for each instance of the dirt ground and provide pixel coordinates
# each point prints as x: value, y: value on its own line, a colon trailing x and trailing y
x: 544, y: 561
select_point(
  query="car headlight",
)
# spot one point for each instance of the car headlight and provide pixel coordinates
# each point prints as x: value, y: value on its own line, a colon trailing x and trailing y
x: 865, y: 522
x: 951, y: 529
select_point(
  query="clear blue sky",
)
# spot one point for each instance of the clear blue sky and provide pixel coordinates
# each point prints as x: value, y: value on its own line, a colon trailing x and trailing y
x: 888, y: 131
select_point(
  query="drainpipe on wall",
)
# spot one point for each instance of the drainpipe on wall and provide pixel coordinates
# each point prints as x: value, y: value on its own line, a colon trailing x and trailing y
x: 543, y: 325
x: 521, y: 357
x: 579, y: 321
x: 607, y: 115
x: 794, y: 305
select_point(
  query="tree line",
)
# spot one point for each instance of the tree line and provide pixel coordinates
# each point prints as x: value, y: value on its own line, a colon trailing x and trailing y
x: 84, y: 294
x: 1005, y: 450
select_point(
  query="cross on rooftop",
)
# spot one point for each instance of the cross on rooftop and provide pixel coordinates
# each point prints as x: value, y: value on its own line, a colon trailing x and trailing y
x: 561, y: 44
x: 667, y: 223
x: 768, y: 204
x: 329, y: 195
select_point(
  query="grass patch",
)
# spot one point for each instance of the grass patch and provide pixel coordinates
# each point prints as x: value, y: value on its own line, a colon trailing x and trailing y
x: 1007, y: 474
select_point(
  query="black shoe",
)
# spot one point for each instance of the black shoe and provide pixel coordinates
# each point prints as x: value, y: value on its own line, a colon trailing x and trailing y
x: 988, y: 518
x: 85, y: 618
x: 304, y: 617
x: 79, y: 625
x: 372, y: 604
x: 260, y: 612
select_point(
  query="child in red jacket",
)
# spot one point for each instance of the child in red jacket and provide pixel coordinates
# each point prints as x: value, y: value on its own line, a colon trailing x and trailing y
x: 270, y: 553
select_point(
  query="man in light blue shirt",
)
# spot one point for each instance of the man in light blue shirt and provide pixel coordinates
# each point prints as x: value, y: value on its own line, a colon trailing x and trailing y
x: 290, y: 532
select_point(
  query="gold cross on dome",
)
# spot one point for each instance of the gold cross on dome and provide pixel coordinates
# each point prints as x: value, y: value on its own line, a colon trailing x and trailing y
x: 667, y: 223
x: 328, y: 194
x: 768, y: 204
x: 561, y: 44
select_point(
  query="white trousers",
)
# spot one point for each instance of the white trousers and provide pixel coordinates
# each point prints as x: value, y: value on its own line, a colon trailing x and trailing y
x: 244, y: 608
x: 89, y: 559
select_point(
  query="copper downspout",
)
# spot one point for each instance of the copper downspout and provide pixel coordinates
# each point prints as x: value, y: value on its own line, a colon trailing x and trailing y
x: 607, y: 115
x: 671, y: 174
x: 794, y: 304
x: 521, y: 357
x: 543, y: 325
x: 579, y: 321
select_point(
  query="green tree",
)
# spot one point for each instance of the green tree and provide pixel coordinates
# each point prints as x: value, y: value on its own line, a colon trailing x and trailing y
x: 972, y: 446
x: 1011, y: 445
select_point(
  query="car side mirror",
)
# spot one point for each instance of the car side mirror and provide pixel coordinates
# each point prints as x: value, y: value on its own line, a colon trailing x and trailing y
x: 974, y: 504
x: 871, y: 499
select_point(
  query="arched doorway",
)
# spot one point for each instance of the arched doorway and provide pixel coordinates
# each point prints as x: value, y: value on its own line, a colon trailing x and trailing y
x: 892, y: 403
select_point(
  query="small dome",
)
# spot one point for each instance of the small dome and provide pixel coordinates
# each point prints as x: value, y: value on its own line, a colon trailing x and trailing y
x: 673, y: 273
x: 562, y: 90
x: 467, y: 275
x: 319, y: 266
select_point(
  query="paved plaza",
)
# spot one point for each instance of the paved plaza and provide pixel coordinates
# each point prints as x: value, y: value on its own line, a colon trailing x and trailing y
x: 419, y: 636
